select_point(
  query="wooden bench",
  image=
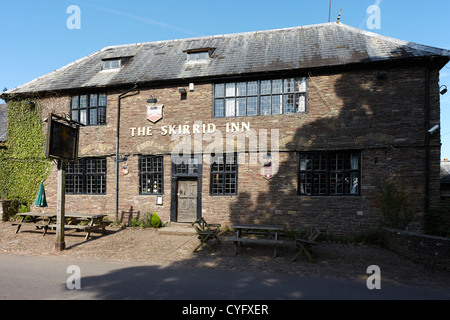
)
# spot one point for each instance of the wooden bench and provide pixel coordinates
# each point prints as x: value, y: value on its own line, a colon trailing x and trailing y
x: 207, y: 233
x: 95, y: 222
x: 38, y: 220
x: 273, y: 232
x: 304, y: 243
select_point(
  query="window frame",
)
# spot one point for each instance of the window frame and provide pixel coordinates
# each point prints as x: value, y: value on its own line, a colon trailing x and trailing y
x: 82, y: 175
x: 289, y: 87
x: 107, y: 64
x: 151, y: 173
x: 223, y: 173
x: 89, y: 108
x: 328, y: 171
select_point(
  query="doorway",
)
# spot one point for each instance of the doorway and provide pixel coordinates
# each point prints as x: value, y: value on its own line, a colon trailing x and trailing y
x: 187, y: 196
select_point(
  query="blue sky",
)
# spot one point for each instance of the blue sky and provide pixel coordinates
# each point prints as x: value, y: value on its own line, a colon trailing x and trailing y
x: 36, y: 40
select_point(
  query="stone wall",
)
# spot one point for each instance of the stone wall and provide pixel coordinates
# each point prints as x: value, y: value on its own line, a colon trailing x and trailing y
x: 383, y: 118
x: 428, y: 250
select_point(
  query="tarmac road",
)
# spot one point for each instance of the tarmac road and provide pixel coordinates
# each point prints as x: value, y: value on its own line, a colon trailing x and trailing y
x: 46, y: 278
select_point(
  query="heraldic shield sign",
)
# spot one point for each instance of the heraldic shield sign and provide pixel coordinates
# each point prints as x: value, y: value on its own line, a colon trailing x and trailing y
x: 154, y: 112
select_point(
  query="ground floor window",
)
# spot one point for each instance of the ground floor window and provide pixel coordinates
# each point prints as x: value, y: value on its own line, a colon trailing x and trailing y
x: 329, y: 173
x: 151, y: 175
x: 224, y: 170
x: 86, y: 176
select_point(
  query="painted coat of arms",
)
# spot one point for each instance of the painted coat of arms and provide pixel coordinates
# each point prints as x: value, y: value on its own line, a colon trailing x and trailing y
x: 154, y: 112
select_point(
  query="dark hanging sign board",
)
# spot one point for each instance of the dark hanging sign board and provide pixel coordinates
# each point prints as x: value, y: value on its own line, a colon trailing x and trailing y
x: 62, y: 138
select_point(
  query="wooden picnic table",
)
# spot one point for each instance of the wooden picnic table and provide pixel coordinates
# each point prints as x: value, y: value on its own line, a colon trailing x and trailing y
x: 264, y: 234
x: 37, y: 219
x: 75, y: 221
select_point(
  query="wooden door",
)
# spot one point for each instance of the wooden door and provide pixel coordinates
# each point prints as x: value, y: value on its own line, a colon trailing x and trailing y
x: 187, y: 201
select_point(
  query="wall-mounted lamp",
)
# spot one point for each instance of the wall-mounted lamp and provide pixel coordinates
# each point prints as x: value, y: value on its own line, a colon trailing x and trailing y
x: 443, y: 91
x: 182, y: 90
x: 434, y: 129
x: 152, y: 100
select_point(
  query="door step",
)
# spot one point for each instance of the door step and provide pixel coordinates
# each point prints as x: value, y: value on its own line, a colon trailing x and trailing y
x: 178, y: 228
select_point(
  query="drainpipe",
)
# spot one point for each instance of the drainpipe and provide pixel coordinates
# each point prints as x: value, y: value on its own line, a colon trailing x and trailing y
x: 427, y: 139
x: 117, y: 148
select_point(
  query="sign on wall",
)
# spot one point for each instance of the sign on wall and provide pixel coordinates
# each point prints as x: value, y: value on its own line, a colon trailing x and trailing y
x: 154, y: 112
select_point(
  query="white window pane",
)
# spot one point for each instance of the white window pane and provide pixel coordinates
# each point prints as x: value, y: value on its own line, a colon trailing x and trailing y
x: 83, y: 116
x: 230, y: 108
x: 301, y: 104
x: 301, y: 85
x: 231, y: 89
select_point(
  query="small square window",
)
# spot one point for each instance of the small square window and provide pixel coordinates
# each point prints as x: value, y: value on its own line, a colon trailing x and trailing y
x: 198, y: 56
x: 111, y: 64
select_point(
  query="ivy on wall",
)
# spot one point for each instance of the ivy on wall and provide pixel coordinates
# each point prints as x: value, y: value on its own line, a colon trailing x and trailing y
x: 23, y: 164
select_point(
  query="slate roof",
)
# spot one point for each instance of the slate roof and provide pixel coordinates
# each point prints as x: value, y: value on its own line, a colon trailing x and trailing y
x: 3, y: 121
x: 307, y: 47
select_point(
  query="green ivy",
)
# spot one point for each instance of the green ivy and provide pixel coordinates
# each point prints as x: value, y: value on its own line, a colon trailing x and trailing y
x: 23, y: 164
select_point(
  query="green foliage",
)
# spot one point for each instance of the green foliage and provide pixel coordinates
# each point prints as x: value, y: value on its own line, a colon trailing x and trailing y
x: 394, y: 205
x: 148, y: 221
x: 23, y: 164
x: 437, y: 220
x: 155, y: 221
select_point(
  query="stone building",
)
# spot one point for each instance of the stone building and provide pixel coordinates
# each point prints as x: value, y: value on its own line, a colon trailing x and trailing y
x: 294, y: 126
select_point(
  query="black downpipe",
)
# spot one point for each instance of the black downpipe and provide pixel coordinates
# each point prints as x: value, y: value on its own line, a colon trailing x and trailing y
x: 117, y: 147
x: 427, y: 139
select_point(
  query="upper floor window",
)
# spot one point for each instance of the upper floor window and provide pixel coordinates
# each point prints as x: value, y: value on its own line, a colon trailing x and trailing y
x: 265, y: 97
x: 111, y: 64
x: 89, y: 109
x: 197, y: 56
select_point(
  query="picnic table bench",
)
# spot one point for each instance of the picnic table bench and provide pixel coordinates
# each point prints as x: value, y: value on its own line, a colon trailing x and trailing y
x: 37, y: 219
x: 74, y: 220
x: 270, y: 235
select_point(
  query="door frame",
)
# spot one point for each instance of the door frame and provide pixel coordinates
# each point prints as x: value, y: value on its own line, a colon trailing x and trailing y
x: 185, y: 176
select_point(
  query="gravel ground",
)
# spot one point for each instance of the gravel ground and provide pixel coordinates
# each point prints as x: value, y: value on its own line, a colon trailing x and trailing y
x: 338, y: 260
